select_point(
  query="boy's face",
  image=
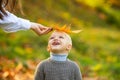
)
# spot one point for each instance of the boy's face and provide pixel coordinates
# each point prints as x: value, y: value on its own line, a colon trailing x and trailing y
x: 59, y: 42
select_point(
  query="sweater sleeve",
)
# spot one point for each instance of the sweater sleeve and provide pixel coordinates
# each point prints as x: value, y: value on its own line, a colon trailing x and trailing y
x: 39, y: 73
x: 77, y: 73
x: 12, y: 23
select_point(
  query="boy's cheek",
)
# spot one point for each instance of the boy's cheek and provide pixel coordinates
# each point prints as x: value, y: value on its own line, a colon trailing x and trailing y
x: 49, y: 43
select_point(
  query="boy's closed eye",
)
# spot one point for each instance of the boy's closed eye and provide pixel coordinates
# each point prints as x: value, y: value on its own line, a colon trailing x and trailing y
x: 51, y: 37
x: 61, y: 37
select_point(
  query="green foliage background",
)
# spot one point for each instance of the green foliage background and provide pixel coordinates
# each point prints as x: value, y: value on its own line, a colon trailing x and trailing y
x: 96, y: 49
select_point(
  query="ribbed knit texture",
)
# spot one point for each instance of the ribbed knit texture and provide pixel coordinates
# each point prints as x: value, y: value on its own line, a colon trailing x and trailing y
x: 57, y: 70
x: 58, y: 57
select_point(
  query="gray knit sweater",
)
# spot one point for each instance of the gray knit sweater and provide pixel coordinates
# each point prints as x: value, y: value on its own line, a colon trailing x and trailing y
x: 57, y: 70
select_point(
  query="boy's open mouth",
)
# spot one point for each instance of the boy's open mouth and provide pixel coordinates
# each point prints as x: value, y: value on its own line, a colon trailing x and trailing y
x: 56, y: 43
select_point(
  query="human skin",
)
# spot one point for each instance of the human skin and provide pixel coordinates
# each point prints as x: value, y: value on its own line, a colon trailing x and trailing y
x: 59, y: 42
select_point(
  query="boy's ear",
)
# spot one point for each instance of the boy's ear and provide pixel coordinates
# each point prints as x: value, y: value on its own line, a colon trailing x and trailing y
x: 69, y: 47
x: 48, y: 48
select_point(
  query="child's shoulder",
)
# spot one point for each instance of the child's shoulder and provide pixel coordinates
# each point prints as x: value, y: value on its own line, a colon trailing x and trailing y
x: 43, y: 62
x: 70, y: 61
x: 73, y: 63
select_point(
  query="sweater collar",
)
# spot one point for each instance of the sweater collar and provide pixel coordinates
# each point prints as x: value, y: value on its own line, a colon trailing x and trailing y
x: 58, y: 57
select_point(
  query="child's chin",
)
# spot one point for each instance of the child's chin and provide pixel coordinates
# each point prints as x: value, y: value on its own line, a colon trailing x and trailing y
x: 56, y: 47
x: 55, y: 50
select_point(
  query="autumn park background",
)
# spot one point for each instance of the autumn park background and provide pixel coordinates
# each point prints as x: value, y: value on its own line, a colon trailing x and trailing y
x: 96, y: 49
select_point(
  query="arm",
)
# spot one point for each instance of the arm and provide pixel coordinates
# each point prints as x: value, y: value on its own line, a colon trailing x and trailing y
x: 77, y: 73
x: 39, y: 74
x: 12, y: 23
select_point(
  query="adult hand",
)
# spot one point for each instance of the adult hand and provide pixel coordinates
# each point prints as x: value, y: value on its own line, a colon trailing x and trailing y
x: 40, y: 29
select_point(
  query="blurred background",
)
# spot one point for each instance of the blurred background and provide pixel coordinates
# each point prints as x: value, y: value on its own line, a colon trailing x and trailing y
x: 96, y: 49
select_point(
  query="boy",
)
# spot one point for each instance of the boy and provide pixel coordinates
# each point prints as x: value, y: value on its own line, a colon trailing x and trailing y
x: 58, y: 67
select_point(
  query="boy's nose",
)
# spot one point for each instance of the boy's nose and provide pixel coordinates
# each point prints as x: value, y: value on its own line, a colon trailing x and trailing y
x: 55, y: 39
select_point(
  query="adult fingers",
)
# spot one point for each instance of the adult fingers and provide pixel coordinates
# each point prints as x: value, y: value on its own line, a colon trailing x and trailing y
x: 46, y: 31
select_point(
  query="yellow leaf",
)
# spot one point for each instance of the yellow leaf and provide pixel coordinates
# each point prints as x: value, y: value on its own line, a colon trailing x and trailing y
x: 65, y: 29
x: 76, y: 31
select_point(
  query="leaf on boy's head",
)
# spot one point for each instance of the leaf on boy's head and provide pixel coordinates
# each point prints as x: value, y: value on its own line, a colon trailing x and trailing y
x: 65, y: 29
x: 76, y: 31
